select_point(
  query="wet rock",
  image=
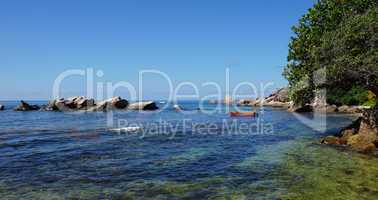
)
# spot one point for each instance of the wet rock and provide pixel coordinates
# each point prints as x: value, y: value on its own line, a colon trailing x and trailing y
x: 149, y: 105
x: 331, y: 140
x: 23, y: 106
x: 2, y: 107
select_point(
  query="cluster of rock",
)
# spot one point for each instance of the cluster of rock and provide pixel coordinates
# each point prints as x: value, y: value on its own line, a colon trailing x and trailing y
x: 80, y: 103
x: 361, y: 135
x: 280, y: 98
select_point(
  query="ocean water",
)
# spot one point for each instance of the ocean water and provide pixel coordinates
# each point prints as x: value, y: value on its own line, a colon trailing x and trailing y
x: 79, y: 155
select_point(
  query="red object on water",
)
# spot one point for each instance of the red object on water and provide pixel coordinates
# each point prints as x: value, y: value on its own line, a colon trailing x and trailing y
x: 243, y: 114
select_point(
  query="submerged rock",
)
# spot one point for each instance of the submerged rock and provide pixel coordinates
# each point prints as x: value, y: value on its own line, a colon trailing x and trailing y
x: 331, y: 140
x: 148, y: 105
x: 23, y: 106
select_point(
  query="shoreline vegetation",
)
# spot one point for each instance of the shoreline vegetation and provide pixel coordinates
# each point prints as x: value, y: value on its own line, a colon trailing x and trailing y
x: 335, y: 49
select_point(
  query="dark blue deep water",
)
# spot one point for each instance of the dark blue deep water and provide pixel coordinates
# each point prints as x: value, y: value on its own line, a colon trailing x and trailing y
x: 77, y: 155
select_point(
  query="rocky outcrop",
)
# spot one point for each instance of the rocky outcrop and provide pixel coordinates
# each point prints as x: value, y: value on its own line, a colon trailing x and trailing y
x: 23, y: 106
x: 70, y: 104
x: 280, y: 98
x: 148, y: 105
x: 78, y: 103
x: 2, y: 107
x: 281, y: 95
x: 361, y: 135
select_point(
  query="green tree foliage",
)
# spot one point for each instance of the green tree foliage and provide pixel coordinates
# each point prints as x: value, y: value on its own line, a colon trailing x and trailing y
x: 340, y: 36
x: 356, y: 95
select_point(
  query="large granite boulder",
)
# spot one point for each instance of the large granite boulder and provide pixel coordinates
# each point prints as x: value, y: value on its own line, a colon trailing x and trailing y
x: 148, y: 105
x: 23, y: 106
x: 118, y: 102
x: 2, y: 107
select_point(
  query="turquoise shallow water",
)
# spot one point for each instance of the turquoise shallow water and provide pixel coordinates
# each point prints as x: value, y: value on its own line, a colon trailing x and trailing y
x: 52, y: 155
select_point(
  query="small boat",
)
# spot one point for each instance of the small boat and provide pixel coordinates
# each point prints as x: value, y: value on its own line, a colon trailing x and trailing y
x: 243, y: 114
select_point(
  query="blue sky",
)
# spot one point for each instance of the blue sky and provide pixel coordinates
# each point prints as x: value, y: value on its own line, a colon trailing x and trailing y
x: 192, y: 40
